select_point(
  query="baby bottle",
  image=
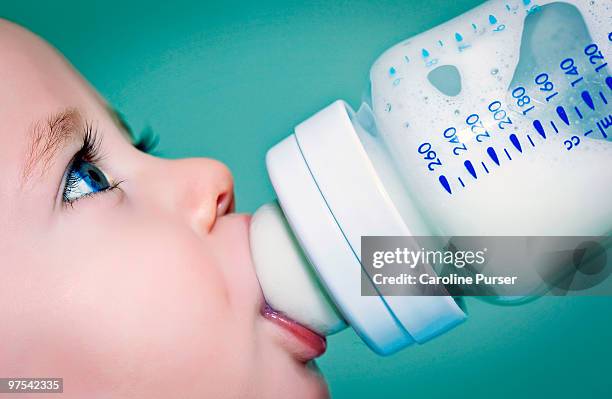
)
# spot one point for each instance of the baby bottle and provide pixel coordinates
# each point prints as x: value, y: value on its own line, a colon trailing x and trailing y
x: 495, y: 123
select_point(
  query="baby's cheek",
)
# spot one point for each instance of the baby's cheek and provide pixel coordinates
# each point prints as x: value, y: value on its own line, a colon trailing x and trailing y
x: 155, y: 312
x: 142, y: 309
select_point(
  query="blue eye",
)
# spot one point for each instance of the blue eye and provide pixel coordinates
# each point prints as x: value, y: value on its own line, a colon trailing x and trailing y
x: 84, y: 179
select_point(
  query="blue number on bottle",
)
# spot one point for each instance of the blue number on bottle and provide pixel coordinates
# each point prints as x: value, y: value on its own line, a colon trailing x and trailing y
x: 429, y: 155
x: 499, y: 114
x: 546, y: 85
x: 451, y: 134
x: 595, y: 56
x: 476, y: 125
x: 522, y: 99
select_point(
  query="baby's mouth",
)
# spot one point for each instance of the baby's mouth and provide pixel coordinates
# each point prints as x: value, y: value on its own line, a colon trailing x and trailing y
x: 306, y: 344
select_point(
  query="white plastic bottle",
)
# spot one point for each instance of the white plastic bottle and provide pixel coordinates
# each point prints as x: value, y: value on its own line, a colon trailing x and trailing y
x: 498, y: 122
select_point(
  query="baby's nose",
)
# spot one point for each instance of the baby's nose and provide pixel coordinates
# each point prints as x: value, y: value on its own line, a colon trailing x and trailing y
x: 203, y: 191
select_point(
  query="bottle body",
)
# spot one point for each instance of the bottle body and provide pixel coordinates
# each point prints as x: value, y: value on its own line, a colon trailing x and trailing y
x: 500, y: 113
x: 494, y: 123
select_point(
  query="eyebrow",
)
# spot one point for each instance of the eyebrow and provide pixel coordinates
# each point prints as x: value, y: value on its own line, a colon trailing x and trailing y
x: 47, y: 137
x: 50, y: 135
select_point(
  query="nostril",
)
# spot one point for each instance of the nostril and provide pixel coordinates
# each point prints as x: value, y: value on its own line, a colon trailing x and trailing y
x: 232, y: 206
x: 225, y: 204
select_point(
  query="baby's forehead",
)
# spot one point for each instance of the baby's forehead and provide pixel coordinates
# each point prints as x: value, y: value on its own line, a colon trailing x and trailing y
x: 32, y: 82
x: 33, y: 75
x: 36, y: 85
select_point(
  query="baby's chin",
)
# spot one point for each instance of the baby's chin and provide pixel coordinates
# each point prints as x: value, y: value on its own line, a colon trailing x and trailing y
x: 316, y: 376
x: 303, y: 381
x: 314, y: 385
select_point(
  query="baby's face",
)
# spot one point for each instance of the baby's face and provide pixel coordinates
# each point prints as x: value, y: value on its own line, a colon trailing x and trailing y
x: 123, y: 273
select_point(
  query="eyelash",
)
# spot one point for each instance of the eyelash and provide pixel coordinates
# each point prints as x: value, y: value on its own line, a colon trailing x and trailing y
x: 147, y: 141
x: 90, y: 152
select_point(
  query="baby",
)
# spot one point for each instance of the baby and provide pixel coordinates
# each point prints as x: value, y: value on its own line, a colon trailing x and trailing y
x: 127, y: 275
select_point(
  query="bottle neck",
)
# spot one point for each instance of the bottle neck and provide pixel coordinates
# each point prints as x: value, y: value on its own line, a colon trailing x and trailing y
x: 332, y: 196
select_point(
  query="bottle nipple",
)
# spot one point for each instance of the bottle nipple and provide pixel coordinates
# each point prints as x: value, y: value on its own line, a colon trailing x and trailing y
x: 288, y: 281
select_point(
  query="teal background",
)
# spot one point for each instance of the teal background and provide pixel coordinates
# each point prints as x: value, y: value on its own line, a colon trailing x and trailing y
x: 229, y: 80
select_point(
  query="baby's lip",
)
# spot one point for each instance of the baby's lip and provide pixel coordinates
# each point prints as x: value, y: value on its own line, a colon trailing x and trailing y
x: 305, y: 343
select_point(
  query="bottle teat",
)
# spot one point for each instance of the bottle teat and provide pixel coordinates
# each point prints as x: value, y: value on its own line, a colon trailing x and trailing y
x: 289, y: 283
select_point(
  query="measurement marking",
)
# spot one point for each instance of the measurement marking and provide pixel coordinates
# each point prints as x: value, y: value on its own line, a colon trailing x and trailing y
x: 563, y: 115
x: 507, y: 154
x: 493, y: 155
x: 530, y: 140
x: 588, y: 132
x: 515, y: 142
x: 444, y: 182
x: 528, y: 109
x: 604, y: 124
x: 554, y: 126
x: 538, y: 126
x: 586, y: 97
x: 485, y: 167
x: 551, y: 96
x: 609, y: 82
x: 575, y: 82
x: 600, y: 67
x: 470, y: 168
x: 578, y: 112
x: 603, y: 97
x: 461, y: 182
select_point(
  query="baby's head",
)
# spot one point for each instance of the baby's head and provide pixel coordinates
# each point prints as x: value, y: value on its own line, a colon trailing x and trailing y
x: 125, y: 274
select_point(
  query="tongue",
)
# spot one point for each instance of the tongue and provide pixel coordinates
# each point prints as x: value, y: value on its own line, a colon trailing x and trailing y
x: 288, y: 281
